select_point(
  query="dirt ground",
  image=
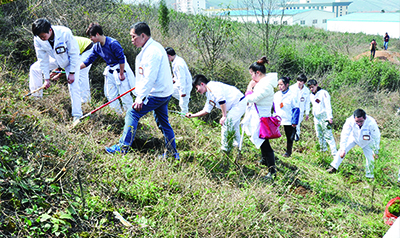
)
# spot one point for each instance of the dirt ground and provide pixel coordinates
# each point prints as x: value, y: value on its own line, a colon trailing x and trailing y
x: 385, y: 55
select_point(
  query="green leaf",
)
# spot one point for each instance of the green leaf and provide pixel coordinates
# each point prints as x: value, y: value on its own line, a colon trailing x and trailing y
x: 66, y: 216
x: 44, y: 217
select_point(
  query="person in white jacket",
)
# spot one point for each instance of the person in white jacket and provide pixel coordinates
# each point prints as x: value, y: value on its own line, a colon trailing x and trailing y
x: 153, y: 91
x: 303, y: 97
x: 225, y: 97
x: 359, y: 129
x: 56, y: 47
x: 287, y: 107
x: 323, y: 118
x: 260, y: 93
x: 181, y: 78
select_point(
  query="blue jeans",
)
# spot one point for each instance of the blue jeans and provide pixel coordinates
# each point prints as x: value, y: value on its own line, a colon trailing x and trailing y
x: 385, y: 44
x: 160, y: 107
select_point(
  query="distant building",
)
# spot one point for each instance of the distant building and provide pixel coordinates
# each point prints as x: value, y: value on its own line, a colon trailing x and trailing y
x: 190, y: 6
x: 316, y: 18
x: 339, y: 7
x: 368, y: 23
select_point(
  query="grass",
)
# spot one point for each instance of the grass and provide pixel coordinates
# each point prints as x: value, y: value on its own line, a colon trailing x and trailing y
x: 60, y: 182
x: 205, y: 194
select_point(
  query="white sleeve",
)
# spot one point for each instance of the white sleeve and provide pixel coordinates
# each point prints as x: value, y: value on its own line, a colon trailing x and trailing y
x: 150, y: 64
x: 344, y: 136
x: 179, y: 73
x: 43, y: 58
x: 307, y: 104
x: 327, y: 103
x: 376, y: 136
x: 73, y: 50
x: 260, y: 92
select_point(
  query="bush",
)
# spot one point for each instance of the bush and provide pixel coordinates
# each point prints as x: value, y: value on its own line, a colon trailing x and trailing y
x: 395, y: 208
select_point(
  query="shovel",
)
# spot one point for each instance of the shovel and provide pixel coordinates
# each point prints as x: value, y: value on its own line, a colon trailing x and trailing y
x: 76, y: 122
x: 34, y: 91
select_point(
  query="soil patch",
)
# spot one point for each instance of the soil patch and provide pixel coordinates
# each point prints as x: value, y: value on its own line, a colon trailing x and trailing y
x: 383, y: 55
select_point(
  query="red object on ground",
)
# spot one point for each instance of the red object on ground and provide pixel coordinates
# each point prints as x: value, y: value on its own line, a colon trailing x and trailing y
x: 388, y: 217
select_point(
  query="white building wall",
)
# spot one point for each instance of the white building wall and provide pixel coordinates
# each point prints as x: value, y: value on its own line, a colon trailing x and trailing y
x: 286, y: 20
x: 317, y: 19
x: 372, y: 28
x: 190, y: 6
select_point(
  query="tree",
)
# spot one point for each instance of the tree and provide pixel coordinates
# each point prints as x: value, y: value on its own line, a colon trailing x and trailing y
x: 211, y: 38
x: 163, y: 17
x: 269, y: 15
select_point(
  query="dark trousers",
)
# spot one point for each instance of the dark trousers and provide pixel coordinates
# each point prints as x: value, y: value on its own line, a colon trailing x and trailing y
x: 268, y: 157
x: 290, y: 132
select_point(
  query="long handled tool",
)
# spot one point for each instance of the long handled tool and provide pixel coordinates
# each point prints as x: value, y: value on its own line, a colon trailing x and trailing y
x: 180, y: 113
x: 76, y: 122
x: 34, y: 91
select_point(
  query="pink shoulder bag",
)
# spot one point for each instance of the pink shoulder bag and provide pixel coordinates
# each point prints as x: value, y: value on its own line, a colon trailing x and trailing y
x: 269, y: 126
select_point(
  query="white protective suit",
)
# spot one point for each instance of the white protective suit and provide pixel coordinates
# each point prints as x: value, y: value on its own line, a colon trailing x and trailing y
x: 183, y: 83
x: 367, y: 137
x: 322, y: 111
x: 235, y: 106
x: 65, y: 54
x: 113, y: 86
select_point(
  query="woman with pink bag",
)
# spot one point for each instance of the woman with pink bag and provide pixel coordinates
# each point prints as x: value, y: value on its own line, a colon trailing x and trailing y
x: 260, y: 93
x: 287, y: 107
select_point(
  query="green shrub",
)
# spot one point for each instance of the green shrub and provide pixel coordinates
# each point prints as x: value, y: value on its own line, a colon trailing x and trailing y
x: 395, y: 208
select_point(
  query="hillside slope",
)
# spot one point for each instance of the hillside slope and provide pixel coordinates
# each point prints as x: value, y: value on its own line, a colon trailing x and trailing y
x: 58, y: 182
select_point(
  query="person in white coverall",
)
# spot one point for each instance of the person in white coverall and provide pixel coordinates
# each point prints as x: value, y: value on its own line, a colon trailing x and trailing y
x: 118, y: 75
x: 182, y: 79
x: 55, y: 47
x: 303, y: 97
x: 323, y: 119
x: 225, y: 97
x: 359, y: 129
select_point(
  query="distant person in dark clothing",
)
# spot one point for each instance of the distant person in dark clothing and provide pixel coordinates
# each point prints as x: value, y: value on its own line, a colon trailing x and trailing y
x: 372, y: 47
x: 386, y: 41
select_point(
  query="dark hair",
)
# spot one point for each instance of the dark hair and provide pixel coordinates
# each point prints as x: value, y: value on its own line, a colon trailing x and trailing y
x: 373, y: 39
x: 198, y: 79
x: 360, y: 113
x: 40, y: 25
x: 312, y: 82
x: 141, y: 27
x: 93, y: 29
x: 259, y: 65
x: 302, y: 78
x: 285, y: 80
x: 170, y: 51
